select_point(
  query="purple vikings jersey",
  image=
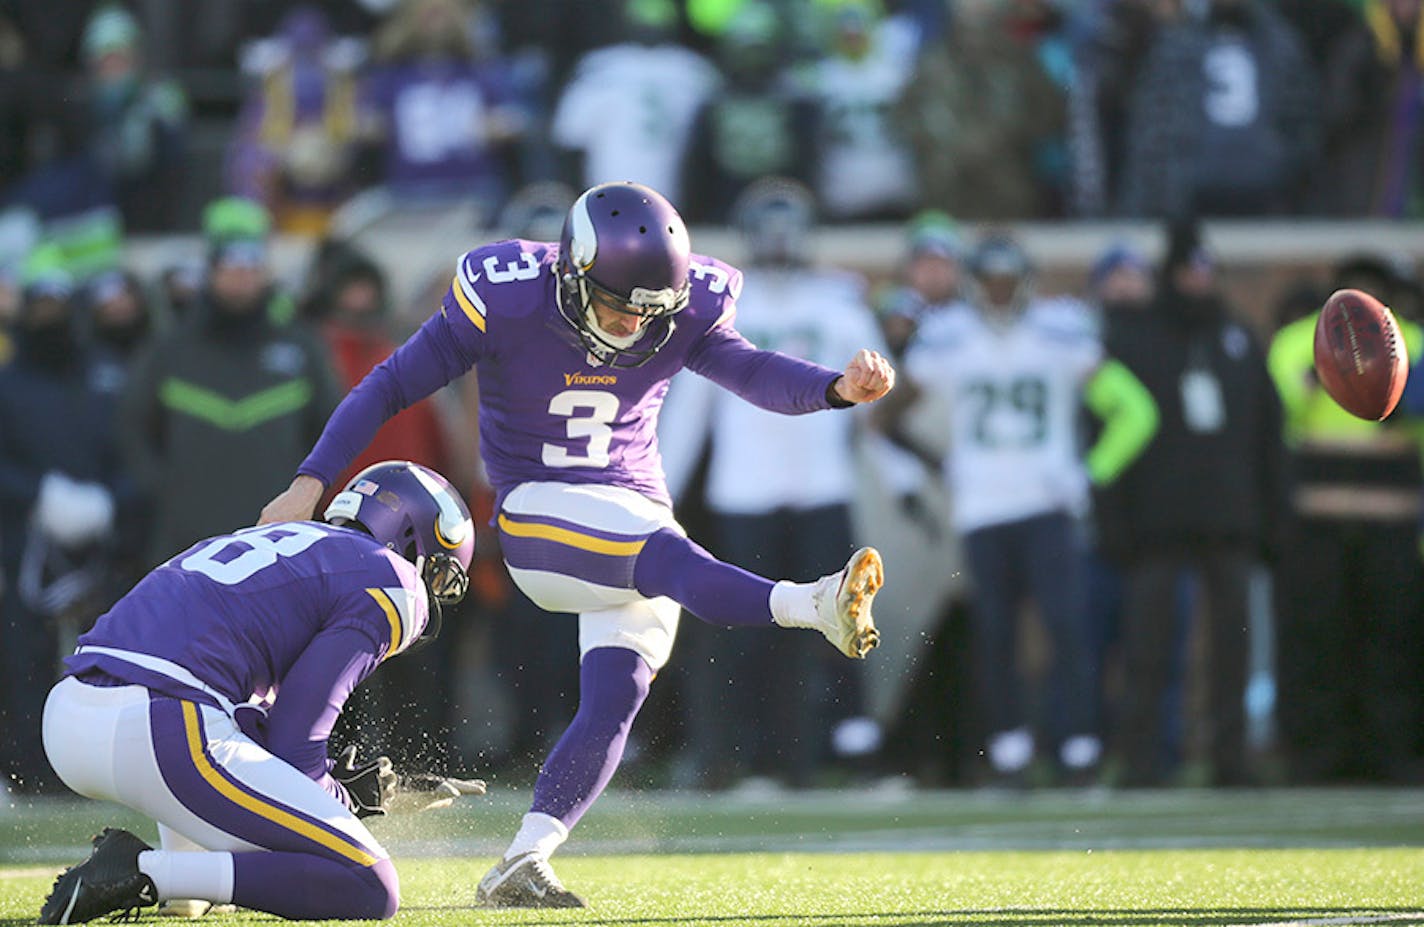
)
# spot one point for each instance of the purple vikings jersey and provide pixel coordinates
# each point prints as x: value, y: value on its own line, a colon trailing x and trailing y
x: 438, y: 115
x: 548, y: 410
x: 291, y: 615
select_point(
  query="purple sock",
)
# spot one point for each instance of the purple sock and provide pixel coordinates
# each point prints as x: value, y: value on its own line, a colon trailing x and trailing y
x: 716, y: 592
x: 305, y: 886
x: 612, y: 685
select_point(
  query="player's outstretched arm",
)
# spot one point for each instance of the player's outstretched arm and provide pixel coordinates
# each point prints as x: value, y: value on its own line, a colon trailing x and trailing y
x: 866, y: 378
x: 295, y: 503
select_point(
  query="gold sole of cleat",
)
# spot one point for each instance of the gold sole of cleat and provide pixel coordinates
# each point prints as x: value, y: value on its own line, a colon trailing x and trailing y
x: 865, y: 574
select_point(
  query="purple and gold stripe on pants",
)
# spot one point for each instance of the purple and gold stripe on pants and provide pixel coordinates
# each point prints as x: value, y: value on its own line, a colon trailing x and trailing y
x: 219, y: 798
x: 554, y: 545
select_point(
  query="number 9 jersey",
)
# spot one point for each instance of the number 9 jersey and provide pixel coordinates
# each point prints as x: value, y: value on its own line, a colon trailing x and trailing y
x: 1013, y: 389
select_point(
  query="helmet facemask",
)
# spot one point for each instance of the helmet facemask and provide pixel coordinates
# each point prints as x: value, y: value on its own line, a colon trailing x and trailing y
x: 446, y: 583
x: 414, y: 513
x: 577, y: 295
x: 624, y: 251
x: 445, y: 579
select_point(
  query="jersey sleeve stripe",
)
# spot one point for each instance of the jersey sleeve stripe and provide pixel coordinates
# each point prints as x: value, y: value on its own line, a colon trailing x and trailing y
x: 203, y: 763
x: 393, y: 616
x: 570, y: 537
x: 469, y: 301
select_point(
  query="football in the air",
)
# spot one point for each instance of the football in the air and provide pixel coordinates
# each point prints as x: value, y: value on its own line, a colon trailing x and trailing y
x: 1359, y: 354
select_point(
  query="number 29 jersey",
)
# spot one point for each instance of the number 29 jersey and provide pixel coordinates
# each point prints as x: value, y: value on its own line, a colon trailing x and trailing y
x: 1013, y: 390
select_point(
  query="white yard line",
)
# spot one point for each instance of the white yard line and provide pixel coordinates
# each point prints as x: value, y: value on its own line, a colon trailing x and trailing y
x: 26, y: 872
x: 1409, y: 917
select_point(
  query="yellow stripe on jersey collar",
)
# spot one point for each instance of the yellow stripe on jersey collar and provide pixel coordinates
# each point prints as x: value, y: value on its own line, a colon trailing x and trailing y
x: 257, y: 806
x: 571, y: 538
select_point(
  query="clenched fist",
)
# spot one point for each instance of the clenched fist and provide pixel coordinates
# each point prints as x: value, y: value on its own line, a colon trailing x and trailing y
x: 866, y: 378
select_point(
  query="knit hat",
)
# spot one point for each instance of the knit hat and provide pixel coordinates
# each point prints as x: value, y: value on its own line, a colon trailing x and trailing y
x: 1117, y: 257
x: 45, y: 273
x: 934, y: 232
x: 111, y: 28
x: 236, y: 230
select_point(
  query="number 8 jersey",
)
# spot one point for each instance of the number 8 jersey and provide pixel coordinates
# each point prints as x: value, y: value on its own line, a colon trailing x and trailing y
x: 307, y: 608
x: 549, y: 411
x: 1013, y: 388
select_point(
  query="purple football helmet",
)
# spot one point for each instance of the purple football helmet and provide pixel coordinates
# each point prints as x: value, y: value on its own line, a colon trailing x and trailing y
x: 626, y: 247
x: 415, y: 512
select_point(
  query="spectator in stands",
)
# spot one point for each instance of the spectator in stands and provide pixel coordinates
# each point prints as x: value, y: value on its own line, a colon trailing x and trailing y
x: 297, y: 136
x: 780, y: 492
x: 981, y: 114
x: 137, y: 123
x: 19, y: 233
x: 756, y: 126
x: 1349, y: 591
x: 356, y: 335
x: 119, y: 322
x: 220, y: 409
x: 26, y: 110
x: 1224, y: 119
x: 1012, y: 369
x: 1373, y: 113
x: 1321, y: 24
x: 1208, y: 496
x: 1112, y: 41
x: 864, y: 168
x: 627, y: 112
x: 61, y: 484
x: 180, y: 283
x: 446, y: 112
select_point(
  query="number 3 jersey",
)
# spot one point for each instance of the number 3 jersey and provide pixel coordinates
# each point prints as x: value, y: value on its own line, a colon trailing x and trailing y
x: 293, y: 615
x: 1013, y: 389
x: 548, y: 410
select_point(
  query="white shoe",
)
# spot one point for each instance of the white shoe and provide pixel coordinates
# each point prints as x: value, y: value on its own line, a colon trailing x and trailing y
x: 843, y: 601
x: 190, y: 908
x: 527, y: 881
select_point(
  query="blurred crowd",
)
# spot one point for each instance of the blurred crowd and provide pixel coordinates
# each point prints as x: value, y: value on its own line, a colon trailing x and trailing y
x: 987, y: 109
x: 1184, y: 563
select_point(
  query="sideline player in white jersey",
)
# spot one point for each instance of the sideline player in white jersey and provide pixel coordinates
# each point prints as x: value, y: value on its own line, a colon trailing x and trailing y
x: 1014, y: 369
x: 574, y: 343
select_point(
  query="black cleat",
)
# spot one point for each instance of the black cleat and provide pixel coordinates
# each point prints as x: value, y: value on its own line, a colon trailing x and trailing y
x: 108, y: 881
x: 527, y: 881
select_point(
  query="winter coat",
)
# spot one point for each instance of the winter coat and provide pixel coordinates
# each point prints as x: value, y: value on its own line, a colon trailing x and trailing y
x: 1215, y: 473
x: 1224, y: 120
x: 216, y: 420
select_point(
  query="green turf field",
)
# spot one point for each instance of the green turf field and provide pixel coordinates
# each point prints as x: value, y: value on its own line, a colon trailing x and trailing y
x: 847, y: 858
